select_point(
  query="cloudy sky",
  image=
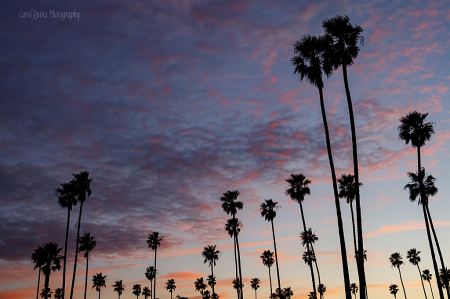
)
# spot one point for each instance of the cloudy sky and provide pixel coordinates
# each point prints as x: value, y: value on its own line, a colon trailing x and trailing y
x: 168, y: 104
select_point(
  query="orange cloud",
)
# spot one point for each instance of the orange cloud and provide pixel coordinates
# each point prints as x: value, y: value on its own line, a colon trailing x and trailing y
x: 405, y: 226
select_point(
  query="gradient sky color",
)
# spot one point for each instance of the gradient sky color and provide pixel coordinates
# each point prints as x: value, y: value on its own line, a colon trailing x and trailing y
x: 168, y: 104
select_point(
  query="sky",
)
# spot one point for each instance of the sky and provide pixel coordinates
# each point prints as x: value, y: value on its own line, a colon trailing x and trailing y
x: 169, y: 104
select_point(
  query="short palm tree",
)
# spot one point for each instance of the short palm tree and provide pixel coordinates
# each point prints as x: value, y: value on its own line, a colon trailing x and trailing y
x: 287, y: 292
x: 393, y: 289
x: 38, y: 259
x: 268, y: 211
x: 87, y: 244
x: 58, y: 293
x: 308, y: 239
x: 414, y: 258
x: 255, y: 285
x: 170, y: 286
x: 321, y: 289
x: 233, y: 228
x: 354, y: 289
x: 444, y: 276
x: 52, y: 262
x: 426, y: 275
x: 137, y: 290
x: 237, y: 284
x: 396, y: 261
x: 211, y: 255
x: 98, y: 281
x: 206, y: 294
x: 146, y: 292
x: 81, y: 185
x: 311, y: 61
x: 150, y: 273
x: 200, y: 285
x: 311, y: 295
x: 309, y: 258
x: 119, y: 287
x: 211, y: 280
x: 154, y: 241
x: 267, y: 259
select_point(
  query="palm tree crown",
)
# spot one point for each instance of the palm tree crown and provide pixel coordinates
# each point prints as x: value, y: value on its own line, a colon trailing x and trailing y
x: 119, y: 287
x: 308, y: 237
x: 154, y: 240
x: 396, y: 260
x: 233, y: 227
x: 393, y: 289
x: 268, y: 209
x: 413, y: 187
x: 230, y: 204
x: 146, y: 292
x: 414, y: 129
x: 210, y: 254
x: 427, y: 275
x: 137, y: 290
x: 170, y: 285
x: 267, y: 258
x: 255, y: 283
x: 347, y: 187
x: 200, y: 285
x: 87, y: 244
x: 298, y: 187
x: 413, y: 256
x: 98, y: 281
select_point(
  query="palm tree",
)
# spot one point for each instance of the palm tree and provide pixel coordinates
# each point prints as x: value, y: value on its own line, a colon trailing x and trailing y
x: 393, y: 289
x: 414, y: 129
x: 287, y: 292
x: 426, y: 275
x: 354, y: 289
x: 211, y: 255
x: 211, y: 280
x: 87, y: 244
x: 146, y: 292
x: 150, y: 273
x: 321, y: 289
x: 311, y: 295
x: 38, y: 258
x: 237, y: 284
x: 396, y: 261
x: 207, y: 294
x: 46, y: 293
x: 81, y: 185
x: 414, y: 258
x: 255, y: 285
x: 51, y: 262
x: 267, y: 259
x: 170, y: 286
x: 200, y: 285
x: 344, y: 38
x: 231, y: 205
x: 268, y: 211
x: 136, y: 290
x: 233, y: 228
x: 311, y: 61
x: 98, y: 281
x: 444, y: 276
x: 66, y: 199
x: 309, y: 257
x: 58, y: 293
x: 154, y: 241
x: 119, y: 287
x: 309, y: 238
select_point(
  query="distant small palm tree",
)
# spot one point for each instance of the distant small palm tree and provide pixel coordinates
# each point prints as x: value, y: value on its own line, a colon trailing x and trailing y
x: 58, y: 293
x: 211, y: 255
x: 38, y: 259
x: 237, y: 284
x: 255, y: 285
x: 287, y: 292
x: 211, y: 280
x: 233, y: 228
x: 154, y: 241
x: 137, y: 290
x: 426, y: 275
x: 309, y: 258
x: 206, y: 294
x: 46, y: 293
x: 311, y: 295
x: 393, y: 289
x: 170, y: 286
x: 308, y: 238
x: 146, y: 292
x: 267, y: 259
x: 87, y: 244
x: 354, y: 289
x: 414, y: 258
x: 444, y: 276
x: 98, y: 281
x: 150, y: 273
x: 396, y: 261
x: 52, y: 262
x: 321, y: 289
x: 119, y: 287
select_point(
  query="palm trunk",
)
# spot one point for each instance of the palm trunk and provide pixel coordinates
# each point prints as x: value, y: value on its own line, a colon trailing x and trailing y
x: 317, y: 267
x: 240, y: 269
x: 430, y: 242
x: 348, y: 294
x: 431, y: 289
x: 360, y: 264
x: 307, y: 246
x: 270, y: 280
x: 154, y: 279
x: 47, y: 282
x: 354, y: 233
x: 170, y: 295
x: 99, y: 290
x: 256, y: 297
x: 235, y: 262
x: 401, y: 281
x: 65, y: 254
x: 39, y: 280
x: 87, y: 266
x: 76, y: 253
x: 423, y: 286
x: 276, y: 256
x: 212, y: 273
x: 313, y: 279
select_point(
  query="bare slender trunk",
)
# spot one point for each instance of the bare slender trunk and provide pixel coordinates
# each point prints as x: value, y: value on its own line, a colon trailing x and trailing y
x: 154, y: 279
x: 235, y: 262
x: 402, y: 281
x: 276, y: 255
x: 212, y: 273
x: 65, y: 254
x: 270, y: 279
x: 87, y: 266
x: 240, y: 269
x: 307, y: 247
x: 39, y: 279
x: 76, y: 253
x: 317, y: 267
x: 431, y: 289
x: 423, y: 286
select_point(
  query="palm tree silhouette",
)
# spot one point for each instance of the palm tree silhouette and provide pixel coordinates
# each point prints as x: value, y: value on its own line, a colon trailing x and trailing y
x: 150, y: 273
x: 311, y: 295
x: 414, y: 258
x: 200, y: 285
x: 154, y: 241
x: 396, y: 261
x: 146, y: 292
x: 354, y: 289
x: 211, y: 255
x: 309, y: 257
x: 444, y: 276
x: 308, y: 239
x: 255, y: 285
x: 170, y: 286
x: 237, y: 284
x: 211, y: 280
x: 268, y: 211
x: 119, y: 287
x: 287, y: 292
x: 267, y: 259
x: 81, y: 185
x: 344, y: 38
x: 136, y: 290
x: 414, y: 129
x: 321, y: 289
x: 393, y: 289
x: 231, y: 205
x: 87, y: 244
x: 98, y: 281
x: 207, y: 294
x: 426, y: 275
x: 51, y: 262
x: 233, y: 228
x: 38, y: 259
x: 311, y: 61
x: 58, y: 293
x: 66, y: 199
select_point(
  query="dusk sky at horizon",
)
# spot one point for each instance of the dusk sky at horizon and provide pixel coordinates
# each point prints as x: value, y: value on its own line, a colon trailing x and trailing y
x: 169, y: 104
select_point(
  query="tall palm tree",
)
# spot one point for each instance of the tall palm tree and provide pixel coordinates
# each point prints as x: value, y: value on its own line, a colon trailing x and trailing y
x: 344, y: 38
x: 396, y: 261
x: 414, y: 258
x: 311, y: 61
x: 211, y: 255
x: 308, y: 239
x: 287, y: 292
x: 170, y: 286
x: 119, y: 287
x: 393, y: 289
x: 413, y: 129
x: 200, y: 285
x: 87, y: 244
x: 66, y: 199
x: 137, y: 290
x: 267, y: 260
x: 233, y: 228
x: 150, y: 273
x: 354, y: 289
x: 81, y: 185
x: 231, y: 205
x: 98, y: 281
x: 38, y: 259
x: 426, y: 275
x: 268, y: 211
x: 154, y: 241
x: 255, y: 285
x: 51, y: 262
x: 309, y: 257
x: 146, y: 292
